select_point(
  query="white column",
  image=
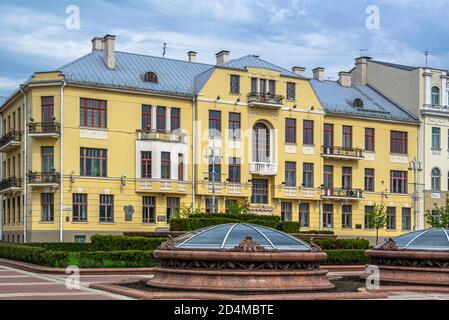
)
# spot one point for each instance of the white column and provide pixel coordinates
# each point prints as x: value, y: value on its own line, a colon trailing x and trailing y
x: 168, y: 120
x: 444, y: 89
x: 153, y: 117
x: 428, y: 89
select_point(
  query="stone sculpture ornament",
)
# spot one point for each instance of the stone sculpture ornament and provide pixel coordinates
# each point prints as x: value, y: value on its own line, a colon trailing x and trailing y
x: 249, y: 245
x: 389, y: 245
x: 167, y: 245
x: 314, y: 246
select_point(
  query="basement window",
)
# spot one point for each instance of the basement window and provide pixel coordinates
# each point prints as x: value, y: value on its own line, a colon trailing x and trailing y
x: 151, y: 77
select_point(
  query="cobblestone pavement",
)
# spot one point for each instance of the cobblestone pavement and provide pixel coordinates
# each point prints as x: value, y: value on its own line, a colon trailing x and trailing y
x: 17, y: 284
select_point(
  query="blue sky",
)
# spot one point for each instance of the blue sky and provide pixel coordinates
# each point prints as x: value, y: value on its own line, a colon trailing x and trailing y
x: 308, y: 33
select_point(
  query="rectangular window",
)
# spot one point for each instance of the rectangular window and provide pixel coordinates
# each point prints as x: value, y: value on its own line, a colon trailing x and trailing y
x: 369, y: 180
x: 214, y: 123
x: 165, y: 165
x: 235, y: 84
x: 308, y: 132
x: 290, y: 174
x: 369, y: 139
x: 172, y: 208
x: 307, y: 175
x: 398, y: 142
x: 328, y: 216
x: 175, y: 121
x: 391, y: 218
x: 262, y: 86
x: 369, y: 223
x: 79, y: 207
x: 13, y: 210
x: 161, y: 119
x: 215, y: 168
x: 47, y: 207
x: 286, y: 211
x: 146, y: 164
x: 254, y: 82
x: 346, y: 182
x: 93, y: 162
x: 106, y: 208
x: 436, y: 138
x: 93, y: 113
x: 347, y: 137
x: 180, y: 167
x: 234, y: 170
x: 398, y: 182
x: 211, y: 207
x: 328, y: 135
x: 291, y: 91
x: 146, y: 117
x: 346, y: 219
x: 328, y: 177
x: 234, y: 126
x: 260, y: 191
x: 304, y: 215
x: 406, y: 219
x: 47, y: 160
x: 19, y: 216
x: 290, y: 130
x: 272, y: 87
x: 148, y: 209
x: 48, y: 109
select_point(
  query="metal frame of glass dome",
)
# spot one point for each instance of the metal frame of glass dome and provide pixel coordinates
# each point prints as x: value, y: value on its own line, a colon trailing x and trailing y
x: 230, y: 241
x: 411, y: 238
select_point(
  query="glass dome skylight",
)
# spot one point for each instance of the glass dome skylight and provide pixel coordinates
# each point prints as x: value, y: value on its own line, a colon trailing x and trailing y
x: 436, y: 239
x: 229, y: 236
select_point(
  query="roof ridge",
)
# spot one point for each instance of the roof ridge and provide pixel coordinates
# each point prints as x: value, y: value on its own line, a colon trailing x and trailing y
x: 161, y: 58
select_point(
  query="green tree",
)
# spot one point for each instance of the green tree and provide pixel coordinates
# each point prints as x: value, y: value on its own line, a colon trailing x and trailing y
x: 186, y: 211
x: 378, y: 218
x: 438, y: 217
x: 241, y: 207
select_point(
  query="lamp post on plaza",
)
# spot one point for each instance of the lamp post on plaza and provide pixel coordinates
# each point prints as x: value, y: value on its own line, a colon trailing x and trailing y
x: 416, y: 167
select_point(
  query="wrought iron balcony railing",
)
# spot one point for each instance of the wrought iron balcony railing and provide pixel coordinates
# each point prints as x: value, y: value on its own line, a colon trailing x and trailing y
x: 335, y: 193
x: 342, y: 152
x: 9, y: 183
x: 43, y: 177
x: 12, y: 137
x: 160, y: 135
x: 44, y: 128
x: 265, y: 99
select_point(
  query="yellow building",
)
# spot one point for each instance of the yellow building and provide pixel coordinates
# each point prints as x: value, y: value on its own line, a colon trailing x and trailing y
x: 142, y: 136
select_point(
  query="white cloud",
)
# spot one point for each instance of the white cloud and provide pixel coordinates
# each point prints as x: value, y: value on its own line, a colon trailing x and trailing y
x: 7, y: 85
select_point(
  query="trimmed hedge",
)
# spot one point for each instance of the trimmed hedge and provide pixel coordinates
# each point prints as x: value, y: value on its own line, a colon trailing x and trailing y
x: 34, y: 255
x: 66, y: 247
x: 265, y: 223
x: 289, y: 227
x: 123, y: 243
x: 191, y: 224
x: 347, y: 257
x: 318, y: 232
x: 114, y: 259
x: 342, y: 244
x: 246, y: 217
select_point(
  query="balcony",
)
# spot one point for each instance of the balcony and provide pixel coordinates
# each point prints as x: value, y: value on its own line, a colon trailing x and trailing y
x: 163, y: 186
x: 10, y: 141
x: 11, y: 185
x: 43, y: 179
x: 285, y: 192
x: 44, y: 130
x: 263, y: 169
x: 160, y: 136
x: 342, y: 194
x: 265, y: 100
x: 342, y: 153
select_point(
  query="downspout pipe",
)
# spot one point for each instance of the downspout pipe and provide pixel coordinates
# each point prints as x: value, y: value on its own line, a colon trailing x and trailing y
x: 61, y: 165
x: 25, y: 165
x: 194, y: 102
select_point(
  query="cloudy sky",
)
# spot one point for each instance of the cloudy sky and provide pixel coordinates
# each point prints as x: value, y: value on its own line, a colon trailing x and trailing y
x: 34, y: 35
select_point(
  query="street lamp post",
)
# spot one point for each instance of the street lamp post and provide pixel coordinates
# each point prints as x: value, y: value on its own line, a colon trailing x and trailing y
x: 416, y: 167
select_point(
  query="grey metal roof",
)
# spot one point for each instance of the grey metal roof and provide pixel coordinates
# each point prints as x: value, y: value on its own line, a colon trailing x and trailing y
x: 394, y: 65
x: 2, y: 100
x: 229, y: 236
x: 338, y: 99
x: 256, y: 62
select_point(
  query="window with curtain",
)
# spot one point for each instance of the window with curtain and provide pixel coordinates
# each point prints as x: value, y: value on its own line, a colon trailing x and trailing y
x: 93, y: 162
x: 47, y: 207
x: 290, y: 174
x: 148, y: 209
x: 261, y: 143
x: 307, y: 175
x: 286, y: 211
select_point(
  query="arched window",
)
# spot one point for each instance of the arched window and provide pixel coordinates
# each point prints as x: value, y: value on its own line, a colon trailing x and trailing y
x: 435, y: 96
x: 261, y: 143
x: 151, y: 77
x: 436, y: 179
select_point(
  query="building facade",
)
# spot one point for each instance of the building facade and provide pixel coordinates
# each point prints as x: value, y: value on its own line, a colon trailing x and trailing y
x: 117, y: 142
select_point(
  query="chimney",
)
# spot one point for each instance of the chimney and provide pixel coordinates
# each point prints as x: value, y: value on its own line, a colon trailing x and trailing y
x: 222, y: 57
x: 109, y: 51
x: 192, y: 56
x: 344, y: 78
x: 360, y: 73
x: 97, y: 43
x: 299, y: 70
x: 318, y: 74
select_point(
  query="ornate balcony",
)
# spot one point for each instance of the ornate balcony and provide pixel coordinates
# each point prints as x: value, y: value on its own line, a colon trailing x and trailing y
x: 160, y: 136
x: 10, y: 141
x: 285, y: 192
x: 263, y: 169
x: 265, y: 100
x: 43, y: 179
x: 342, y: 153
x: 163, y: 186
x: 342, y: 194
x: 10, y: 185
x: 44, y: 130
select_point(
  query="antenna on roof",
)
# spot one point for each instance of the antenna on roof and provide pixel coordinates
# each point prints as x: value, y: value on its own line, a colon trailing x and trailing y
x: 362, y: 51
x: 164, y: 50
x: 426, y: 53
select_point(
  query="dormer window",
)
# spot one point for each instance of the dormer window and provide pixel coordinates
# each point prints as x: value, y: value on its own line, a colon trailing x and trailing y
x: 151, y: 77
x: 358, y: 103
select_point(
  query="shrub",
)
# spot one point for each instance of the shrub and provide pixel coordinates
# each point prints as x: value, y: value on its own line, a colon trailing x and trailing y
x: 289, y: 227
x: 54, y: 259
x: 317, y: 232
x: 116, y: 259
x: 67, y: 247
x: 21, y: 253
x: 194, y: 224
x: 244, y: 217
x: 342, y: 244
x: 347, y: 257
x: 265, y: 223
x: 123, y: 243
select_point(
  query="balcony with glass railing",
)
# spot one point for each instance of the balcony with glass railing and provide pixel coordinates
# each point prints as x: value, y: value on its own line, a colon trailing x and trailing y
x: 342, y: 153
x: 265, y: 100
x: 10, y: 141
